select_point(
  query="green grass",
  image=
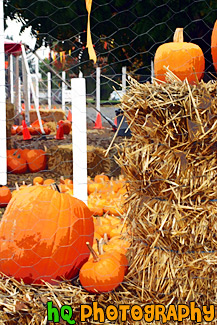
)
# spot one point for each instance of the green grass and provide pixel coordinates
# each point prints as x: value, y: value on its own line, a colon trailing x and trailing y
x: 103, y: 102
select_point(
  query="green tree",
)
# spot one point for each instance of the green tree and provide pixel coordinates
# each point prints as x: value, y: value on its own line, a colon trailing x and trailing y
x: 126, y: 32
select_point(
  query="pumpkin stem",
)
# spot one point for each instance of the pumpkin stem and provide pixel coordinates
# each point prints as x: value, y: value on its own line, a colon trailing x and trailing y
x: 92, y: 251
x: 101, y: 243
x: 56, y: 187
x: 97, y: 242
x: 178, y: 35
x: 17, y: 186
x: 62, y: 181
x: 105, y: 237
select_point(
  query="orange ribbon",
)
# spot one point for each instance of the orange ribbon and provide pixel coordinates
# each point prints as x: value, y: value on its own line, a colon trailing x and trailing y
x: 91, y: 52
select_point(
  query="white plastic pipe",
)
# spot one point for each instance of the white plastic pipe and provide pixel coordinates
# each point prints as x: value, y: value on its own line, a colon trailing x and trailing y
x: 19, y: 96
x: 49, y: 89
x: 12, y: 77
x: 98, y: 88
x: 16, y: 101
x: 79, y: 138
x: 124, y: 79
x: 3, y: 144
x: 26, y: 92
x: 26, y: 73
x: 63, y: 91
x: 152, y: 71
x: 36, y: 82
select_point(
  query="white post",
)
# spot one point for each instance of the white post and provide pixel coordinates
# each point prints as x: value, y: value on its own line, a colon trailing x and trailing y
x: 19, y: 96
x: 98, y: 88
x: 12, y: 78
x: 124, y: 79
x: 26, y: 74
x: 25, y: 92
x: 16, y: 101
x: 152, y: 71
x: 49, y: 89
x: 36, y: 82
x: 79, y: 138
x: 3, y: 144
x: 63, y: 91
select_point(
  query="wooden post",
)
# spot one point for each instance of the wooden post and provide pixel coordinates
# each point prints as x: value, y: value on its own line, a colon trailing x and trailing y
x: 3, y: 143
x: 79, y: 138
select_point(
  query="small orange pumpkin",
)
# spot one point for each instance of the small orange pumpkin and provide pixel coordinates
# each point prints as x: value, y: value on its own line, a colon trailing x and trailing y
x: 101, y: 273
x: 38, y: 180
x: 5, y: 196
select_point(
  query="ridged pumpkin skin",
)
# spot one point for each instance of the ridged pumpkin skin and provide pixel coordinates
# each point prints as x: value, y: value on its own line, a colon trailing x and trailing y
x: 103, y: 275
x: 214, y: 45
x: 43, y: 235
x: 182, y: 58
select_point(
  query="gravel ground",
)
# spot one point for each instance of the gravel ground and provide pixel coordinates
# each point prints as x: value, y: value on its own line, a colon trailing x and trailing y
x: 108, y: 111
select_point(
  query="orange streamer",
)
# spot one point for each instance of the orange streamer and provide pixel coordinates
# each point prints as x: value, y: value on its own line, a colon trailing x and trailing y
x: 91, y: 52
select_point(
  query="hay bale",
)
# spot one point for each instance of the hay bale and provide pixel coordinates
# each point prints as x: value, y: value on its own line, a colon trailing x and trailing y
x: 170, y: 165
x: 60, y: 160
x: 47, y: 115
x: 52, y: 126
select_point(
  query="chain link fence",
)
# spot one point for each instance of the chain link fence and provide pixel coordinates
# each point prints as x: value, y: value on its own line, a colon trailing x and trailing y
x: 39, y: 238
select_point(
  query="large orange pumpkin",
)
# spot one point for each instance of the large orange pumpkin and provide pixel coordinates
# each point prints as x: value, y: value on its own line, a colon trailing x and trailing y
x: 184, y: 59
x: 43, y: 235
x: 214, y: 46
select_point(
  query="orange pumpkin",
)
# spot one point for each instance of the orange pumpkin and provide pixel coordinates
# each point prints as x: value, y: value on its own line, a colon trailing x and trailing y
x: 43, y: 235
x: 67, y: 126
x: 36, y: 124
x: 101, y: 273
x: 181, y: 57
x: 5, y: 196
x: 101, y: 178
x: 214, y: 45
x: 16, y: 164
x: 38, y: 180
x: 36, y: 160
x: 48, y: 181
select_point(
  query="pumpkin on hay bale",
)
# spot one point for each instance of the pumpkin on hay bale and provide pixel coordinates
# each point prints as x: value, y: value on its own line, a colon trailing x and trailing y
x: 184, y: 59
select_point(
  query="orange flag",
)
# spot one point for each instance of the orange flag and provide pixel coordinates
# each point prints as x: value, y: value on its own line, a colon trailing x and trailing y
x: 91, y: 52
